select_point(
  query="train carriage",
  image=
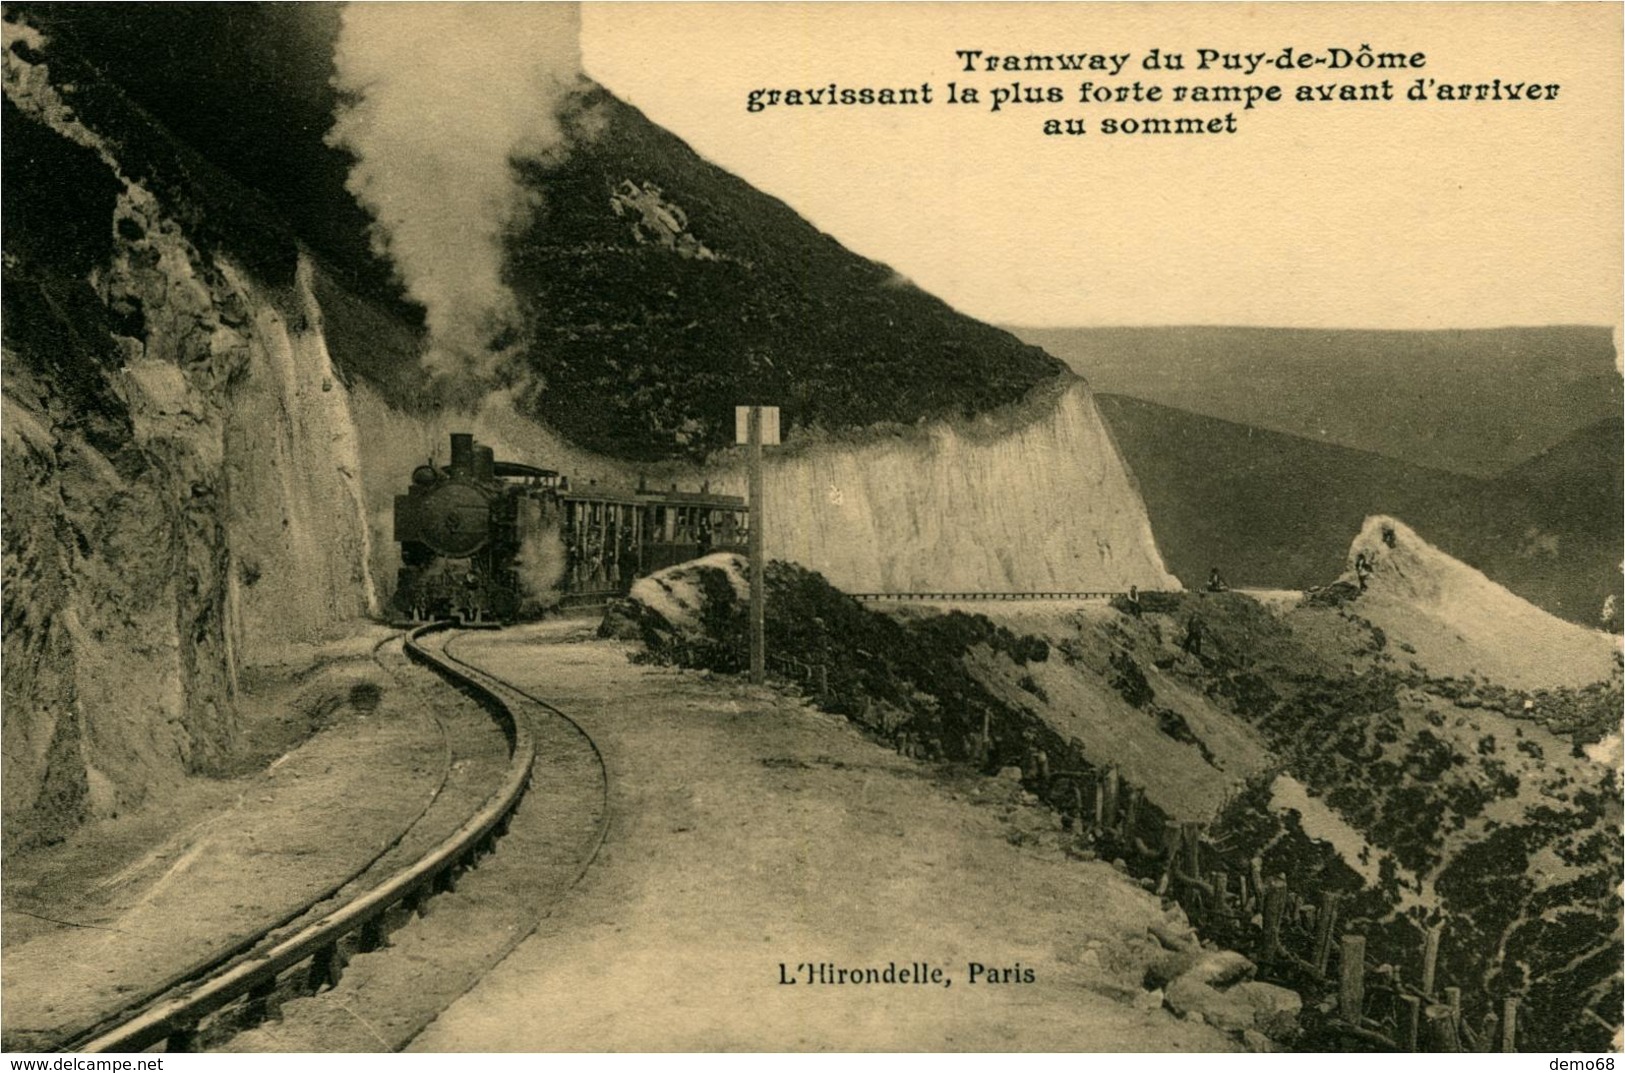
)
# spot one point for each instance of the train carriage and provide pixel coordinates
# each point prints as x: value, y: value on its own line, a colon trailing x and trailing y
x: 483, y: 539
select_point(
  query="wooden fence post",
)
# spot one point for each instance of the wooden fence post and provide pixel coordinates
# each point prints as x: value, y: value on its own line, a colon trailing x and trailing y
x: 1486, y: 1032
x: 1351, y: 983
x: 1410, y: 1019
x: 1325, y: 920
x: 1170, y: 848
x: 1274, y: 906
x: 1430, y: 958
x: 1442, y: 1027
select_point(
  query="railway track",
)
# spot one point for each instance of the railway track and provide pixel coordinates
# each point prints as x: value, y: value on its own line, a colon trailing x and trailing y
x: 875, y: 597
x: 307, y: 953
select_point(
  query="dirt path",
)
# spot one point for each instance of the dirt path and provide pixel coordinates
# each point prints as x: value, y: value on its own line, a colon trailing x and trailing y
x: 748, y: 831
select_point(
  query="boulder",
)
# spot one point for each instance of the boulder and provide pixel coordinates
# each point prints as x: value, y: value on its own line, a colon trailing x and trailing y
x: 1220, y: 968
x: 1275, y: 1009
x: 1190, y: 998
x: 1257, y: 1042
x: 1218, y: 986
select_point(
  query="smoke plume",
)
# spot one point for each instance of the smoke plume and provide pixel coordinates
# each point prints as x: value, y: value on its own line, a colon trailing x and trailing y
x: 440, y: 100
x: 540, y: 565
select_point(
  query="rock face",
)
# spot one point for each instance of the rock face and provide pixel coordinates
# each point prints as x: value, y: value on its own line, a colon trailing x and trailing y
x: 180, y: 481
x: 1458, y: 622
x: 1037, y: 500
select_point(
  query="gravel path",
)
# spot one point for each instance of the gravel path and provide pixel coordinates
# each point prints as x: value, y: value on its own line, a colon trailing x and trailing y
x: 746, y: 831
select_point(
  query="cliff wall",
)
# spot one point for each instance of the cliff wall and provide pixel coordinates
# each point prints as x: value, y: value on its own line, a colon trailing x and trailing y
x: 1032, y: 499
x: 181, y: 488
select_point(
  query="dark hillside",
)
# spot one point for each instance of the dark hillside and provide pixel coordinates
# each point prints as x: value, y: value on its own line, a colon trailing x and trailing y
x: 1269, y: 509
x: 1579, y: 476
x: 1563, y: 510
x: 1278, y: 511
x: 663, y: 291
x: 1471, y: 401
x: 248, y: 86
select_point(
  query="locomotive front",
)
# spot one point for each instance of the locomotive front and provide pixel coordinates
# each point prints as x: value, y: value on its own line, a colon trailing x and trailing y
x: 459, y: 528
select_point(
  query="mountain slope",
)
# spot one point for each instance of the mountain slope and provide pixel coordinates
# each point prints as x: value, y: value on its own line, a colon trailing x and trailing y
x: 1459, y: 623
x: 1273, y: 510
x: 663, y: 291
x: 1470, y: 401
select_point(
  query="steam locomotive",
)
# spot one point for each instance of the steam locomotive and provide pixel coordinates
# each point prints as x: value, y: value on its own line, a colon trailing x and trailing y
x: 483, y: 540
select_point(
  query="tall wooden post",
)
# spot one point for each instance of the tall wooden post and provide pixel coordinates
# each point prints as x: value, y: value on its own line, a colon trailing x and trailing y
x: 1442, y: 1026
x: 758, y: 576
x: 1410, y: 1017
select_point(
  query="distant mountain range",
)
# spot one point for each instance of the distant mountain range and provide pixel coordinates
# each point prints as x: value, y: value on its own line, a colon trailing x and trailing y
x: 1275, y: 510
x: 1471, y: 402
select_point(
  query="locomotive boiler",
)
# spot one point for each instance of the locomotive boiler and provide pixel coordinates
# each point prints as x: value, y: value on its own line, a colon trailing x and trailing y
x: 488, y: 540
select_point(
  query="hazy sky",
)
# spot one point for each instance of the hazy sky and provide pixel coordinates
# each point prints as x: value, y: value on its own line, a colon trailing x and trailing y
x: 1337, y: 214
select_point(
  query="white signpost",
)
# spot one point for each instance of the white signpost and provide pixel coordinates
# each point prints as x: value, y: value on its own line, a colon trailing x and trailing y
x: 756, y: 426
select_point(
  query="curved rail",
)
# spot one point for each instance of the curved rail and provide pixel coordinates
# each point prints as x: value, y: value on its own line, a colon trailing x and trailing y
x: 873, y: 596
x: 177, y: 1018
x: 74, y: 1037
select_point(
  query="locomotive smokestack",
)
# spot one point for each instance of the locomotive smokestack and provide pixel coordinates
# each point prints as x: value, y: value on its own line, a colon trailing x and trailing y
x: 462, y: 452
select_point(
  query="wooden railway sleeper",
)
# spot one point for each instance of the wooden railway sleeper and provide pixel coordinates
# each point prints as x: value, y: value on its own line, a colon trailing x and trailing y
x: 258, y: 1005
x: 372, y: 935
x: 326, y: 966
